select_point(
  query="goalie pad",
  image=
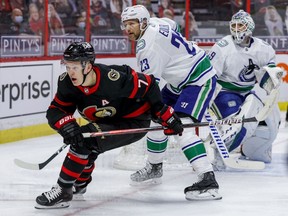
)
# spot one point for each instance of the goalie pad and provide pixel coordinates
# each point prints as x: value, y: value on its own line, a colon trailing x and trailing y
x: 269, y: 78
x: 233, y: 135
x: 259, y: 145
x: 251, y: 106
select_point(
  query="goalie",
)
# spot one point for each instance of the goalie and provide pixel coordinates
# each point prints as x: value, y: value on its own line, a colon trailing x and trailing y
x: 241, y: 61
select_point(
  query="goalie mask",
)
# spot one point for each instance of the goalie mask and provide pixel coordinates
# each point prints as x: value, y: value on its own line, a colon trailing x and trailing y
x: 241, y: 26
x: 136, y: 12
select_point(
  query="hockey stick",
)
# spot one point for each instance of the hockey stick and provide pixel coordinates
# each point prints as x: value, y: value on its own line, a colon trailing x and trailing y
x: 269, y: 103
x: 228, y: 161
x: 158, y: 128
x: 40, y: 166
x: 32, y: 166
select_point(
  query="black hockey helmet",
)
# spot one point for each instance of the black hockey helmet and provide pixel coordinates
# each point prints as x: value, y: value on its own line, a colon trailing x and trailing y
x: 79, y: 51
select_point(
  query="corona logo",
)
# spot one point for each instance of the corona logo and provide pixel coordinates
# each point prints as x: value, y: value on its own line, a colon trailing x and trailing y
x: 285, y: 67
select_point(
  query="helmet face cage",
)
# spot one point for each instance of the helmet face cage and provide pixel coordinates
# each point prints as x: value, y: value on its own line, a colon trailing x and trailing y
x: 138, y: 12
x: 79, y: 51
x: 241, y: 26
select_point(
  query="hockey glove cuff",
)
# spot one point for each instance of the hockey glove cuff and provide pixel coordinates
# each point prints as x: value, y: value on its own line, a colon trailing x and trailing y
x: 168, y: 118
x: 70, y: 130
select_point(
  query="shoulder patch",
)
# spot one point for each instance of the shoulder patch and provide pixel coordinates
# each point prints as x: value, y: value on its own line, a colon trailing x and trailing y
x: 62, y: 76
x: 113, y: 75
x: 140, y: 45
x: 222, y: 43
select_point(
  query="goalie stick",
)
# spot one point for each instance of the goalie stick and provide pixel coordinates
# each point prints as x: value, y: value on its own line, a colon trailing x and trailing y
x: 233, y: 163
x: 32, y: 166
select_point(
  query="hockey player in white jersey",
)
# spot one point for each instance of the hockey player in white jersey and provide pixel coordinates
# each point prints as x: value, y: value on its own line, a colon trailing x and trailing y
x: 190, y: 84
x: 241, y: 61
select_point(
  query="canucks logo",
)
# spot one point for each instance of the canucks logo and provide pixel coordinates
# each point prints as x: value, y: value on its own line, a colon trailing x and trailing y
x: 246, y: 74
x: 222, y: 43
x: 140, y: 45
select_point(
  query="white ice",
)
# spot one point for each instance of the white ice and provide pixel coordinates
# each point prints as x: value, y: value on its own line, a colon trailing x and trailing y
x: 263, y: 193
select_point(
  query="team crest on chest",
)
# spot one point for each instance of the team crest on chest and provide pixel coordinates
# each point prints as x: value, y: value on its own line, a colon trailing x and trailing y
x: 105, y: 112
x: 113, y: 75
x: 92, y: 113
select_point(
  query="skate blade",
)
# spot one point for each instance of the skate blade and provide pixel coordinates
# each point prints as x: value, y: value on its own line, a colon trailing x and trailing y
x: 56, y: 206
x: 78, y: 197
x: 211, y: 194
x: 154, y: 181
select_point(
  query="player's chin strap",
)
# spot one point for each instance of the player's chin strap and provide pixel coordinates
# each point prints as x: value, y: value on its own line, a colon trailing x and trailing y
x: 84, y: 75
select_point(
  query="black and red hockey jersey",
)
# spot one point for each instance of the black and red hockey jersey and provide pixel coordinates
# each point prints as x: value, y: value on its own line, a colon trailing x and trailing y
x: 119, y: 92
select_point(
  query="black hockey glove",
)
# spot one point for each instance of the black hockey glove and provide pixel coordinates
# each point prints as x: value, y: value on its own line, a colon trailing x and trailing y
x: 168, y: 118
x: 70, y: 131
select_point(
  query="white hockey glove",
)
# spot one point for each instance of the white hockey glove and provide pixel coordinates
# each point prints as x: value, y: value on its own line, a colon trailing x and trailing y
x: 269, y: 78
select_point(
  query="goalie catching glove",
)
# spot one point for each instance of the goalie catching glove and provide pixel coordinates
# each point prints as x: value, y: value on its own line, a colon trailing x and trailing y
x: 168, y: 118
x: 70, y: 130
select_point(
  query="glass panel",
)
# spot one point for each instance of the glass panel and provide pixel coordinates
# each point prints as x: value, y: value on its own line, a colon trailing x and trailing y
x: 211, y: 19
x: 22, y: 27
x: 106, y: 34
x: 67, y: 24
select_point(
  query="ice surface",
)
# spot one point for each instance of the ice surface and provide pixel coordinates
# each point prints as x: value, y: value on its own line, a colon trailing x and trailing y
x: 263, y: 193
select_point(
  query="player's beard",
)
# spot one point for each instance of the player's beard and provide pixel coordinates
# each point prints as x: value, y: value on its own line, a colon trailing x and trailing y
x: 132, y: 37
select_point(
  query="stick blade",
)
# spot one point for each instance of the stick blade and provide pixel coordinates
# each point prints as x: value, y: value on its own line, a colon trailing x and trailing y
x: 26, y: 165
x: 239, y: 164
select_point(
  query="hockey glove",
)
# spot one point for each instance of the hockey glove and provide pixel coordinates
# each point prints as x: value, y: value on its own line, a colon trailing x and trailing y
x: 70, y: 131
x: 168, y: 118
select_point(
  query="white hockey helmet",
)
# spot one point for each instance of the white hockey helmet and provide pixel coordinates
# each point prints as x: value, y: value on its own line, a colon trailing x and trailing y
x: 241, y: 26
x: 138, y: 12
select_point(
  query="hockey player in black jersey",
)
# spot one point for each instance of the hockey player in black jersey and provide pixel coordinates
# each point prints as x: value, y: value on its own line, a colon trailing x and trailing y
x: 110, y: 98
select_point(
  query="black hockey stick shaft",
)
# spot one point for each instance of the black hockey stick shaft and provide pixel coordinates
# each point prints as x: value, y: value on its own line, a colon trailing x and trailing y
x: 32, y: 166
x: 42, y: 165
x: 157, y: 128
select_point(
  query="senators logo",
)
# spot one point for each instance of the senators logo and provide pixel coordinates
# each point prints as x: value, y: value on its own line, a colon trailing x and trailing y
x: 63, y: 75
x: 113, y: 75
x: 92, y: 113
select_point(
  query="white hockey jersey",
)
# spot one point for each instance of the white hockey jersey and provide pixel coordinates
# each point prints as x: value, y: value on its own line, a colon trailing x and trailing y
x: 236, y: 65
x: 166, y: 54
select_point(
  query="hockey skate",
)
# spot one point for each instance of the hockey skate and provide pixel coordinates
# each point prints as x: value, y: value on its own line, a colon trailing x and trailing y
x: 150, y: 174
x: 57, y: 197
x: 205, y: 189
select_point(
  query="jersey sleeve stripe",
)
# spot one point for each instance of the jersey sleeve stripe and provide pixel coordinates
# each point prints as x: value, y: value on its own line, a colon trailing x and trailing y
x: 139, y: 111
x: 62, y: 103
x: 135, y: 87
